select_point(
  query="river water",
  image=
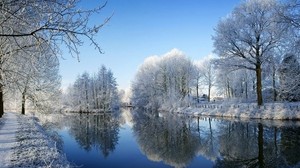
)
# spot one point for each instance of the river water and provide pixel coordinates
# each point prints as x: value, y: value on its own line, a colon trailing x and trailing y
x: 150, y: 139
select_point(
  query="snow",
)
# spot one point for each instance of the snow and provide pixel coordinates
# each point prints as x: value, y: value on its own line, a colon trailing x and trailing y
x: 25, y: 143
x: 270, y: 111
x: 8, y: 128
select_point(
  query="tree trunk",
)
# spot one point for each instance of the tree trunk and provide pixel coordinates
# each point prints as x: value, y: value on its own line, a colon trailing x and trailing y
x: 246, y: 88
x: 258, y: 84
x: 274, y: 84
x: 197, y: 89
x: 260, y: 140
x: 23, y: 104
x: 1, y: 101
x: 208, y: 97
x: 228, y: 89
x: 86, y: 97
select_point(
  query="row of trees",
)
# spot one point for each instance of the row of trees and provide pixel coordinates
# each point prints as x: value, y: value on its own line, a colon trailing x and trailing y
x: 31, y: 34
x: 93, y: 92
x: 170, y: 80
x: 257, y: 60
x: 35, y: 78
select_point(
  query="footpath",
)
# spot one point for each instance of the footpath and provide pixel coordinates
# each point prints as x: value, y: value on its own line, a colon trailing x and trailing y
x: 8, y: 127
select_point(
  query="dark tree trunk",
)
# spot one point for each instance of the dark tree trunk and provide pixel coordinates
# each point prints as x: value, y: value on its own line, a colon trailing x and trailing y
x: 197, y: 89
x: 1, y: 101
x: 208, y: 97
x: 260, y: 146
x: 228, y: 89
x: 258, y: 84
x: 198, y: 125
x: 23, y: 104
x: 246, y: 88
x: 274, y: 84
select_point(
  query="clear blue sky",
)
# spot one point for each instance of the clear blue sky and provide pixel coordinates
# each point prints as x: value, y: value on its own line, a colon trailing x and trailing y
x: 142, y: 28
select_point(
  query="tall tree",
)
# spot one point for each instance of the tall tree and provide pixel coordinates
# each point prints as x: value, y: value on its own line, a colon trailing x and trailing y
x: 207, y: 74
x: 245, y: 38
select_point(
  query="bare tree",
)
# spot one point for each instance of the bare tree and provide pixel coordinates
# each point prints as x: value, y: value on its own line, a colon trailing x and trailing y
x: 245, y: 38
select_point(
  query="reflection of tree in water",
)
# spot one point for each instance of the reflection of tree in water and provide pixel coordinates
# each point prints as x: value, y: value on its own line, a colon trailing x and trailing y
x: 255, y: 145
x: 208, y: 139
x: 237, y: 145
x: 176, y: 141
x: 290, y: 145
x: 95, y: 131
x: 165, y: 139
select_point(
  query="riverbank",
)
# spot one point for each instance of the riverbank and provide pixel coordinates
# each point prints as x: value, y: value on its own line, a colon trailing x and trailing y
x: 269, y: 111
x: 25, y: 143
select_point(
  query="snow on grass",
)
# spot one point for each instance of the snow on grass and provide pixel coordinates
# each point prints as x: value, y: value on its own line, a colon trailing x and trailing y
x: 272, y: 111
x: 36, y: 148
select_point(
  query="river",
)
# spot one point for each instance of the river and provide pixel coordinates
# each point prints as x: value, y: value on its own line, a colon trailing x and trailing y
x: 143, y: 139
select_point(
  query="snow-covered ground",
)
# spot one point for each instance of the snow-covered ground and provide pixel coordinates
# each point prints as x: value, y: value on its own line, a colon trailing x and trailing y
x: 8, y: 129
x: 24, y: 143
x: 272, y: 111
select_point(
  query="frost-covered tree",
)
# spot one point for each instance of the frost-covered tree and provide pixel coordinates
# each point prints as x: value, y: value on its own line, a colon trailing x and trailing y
x: 49, y: 21
x: 28, y: 71
x: 29, y: 25
x: 145, y: 90
x: 245, y: 38
x: 197, y: 81
x: 164, y: 81
x: 289, y: 14
x: 289, y: 75
x: 207, y: 74
x: 36, y: 77
x: 94, y: 92
x: 270, y: 76
x: 235, y: 83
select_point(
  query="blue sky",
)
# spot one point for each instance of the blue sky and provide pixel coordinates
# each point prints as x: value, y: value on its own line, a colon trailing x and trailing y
x: 143, y: 28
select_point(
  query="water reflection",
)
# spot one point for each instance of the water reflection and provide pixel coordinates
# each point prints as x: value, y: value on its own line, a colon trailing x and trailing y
x: 95, y: 131
x: 177, y: 141
x: 290, y: 145
x: 168, y: 139
x: 241, y: 145
x: 244, y: 144
x: 182, y: 141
